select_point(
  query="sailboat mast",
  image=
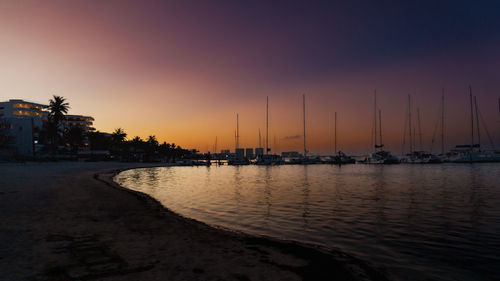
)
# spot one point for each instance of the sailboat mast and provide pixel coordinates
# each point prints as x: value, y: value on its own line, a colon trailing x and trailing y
x: 260, y: 143
x: 215, y: 146
x: 442, y: 122
x: 237, y: 131
x: 375, y: 120
x: 471, y: 122
x: 304, y: 119
x: 477, y: 123
x: 335, y: 134
x: 409, y: 123
x: 414, y: 134
x: 380, y: 125
x: 267, y: 124
x: 275, y: 145
x: 419, y: 130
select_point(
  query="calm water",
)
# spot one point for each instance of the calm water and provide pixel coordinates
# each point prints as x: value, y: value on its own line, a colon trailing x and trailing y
x: 417, y: 222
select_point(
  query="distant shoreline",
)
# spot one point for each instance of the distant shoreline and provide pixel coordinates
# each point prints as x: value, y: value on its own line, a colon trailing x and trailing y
x: 65, y: 222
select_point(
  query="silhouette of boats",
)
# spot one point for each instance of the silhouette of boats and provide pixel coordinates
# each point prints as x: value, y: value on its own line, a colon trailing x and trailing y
x: 269, y: 160
x: 416, y: 156
x: 421, y: 157
x: 266, y: 158
x: 305, y: 159
x: 464, y: 154
x: 473, y: 153
x: 339, y: 157
x: 201, y: 163
x: 379, y: 156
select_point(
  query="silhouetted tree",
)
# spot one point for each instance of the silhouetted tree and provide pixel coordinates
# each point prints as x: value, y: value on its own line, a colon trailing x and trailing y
x: 118, y: 136
x: 118, y: 140
x: 99, y: 141
x: 137, y: 149
x: 152, y: 144
x: 57, y: 107
x: 137, y: 144
x: 75, y: 137
x: 163, y: 149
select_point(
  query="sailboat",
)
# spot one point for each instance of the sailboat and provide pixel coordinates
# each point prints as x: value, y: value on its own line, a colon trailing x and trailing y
x: 473, y: 153
x: 417, y: 156
x: 443, y: 157
x: 379, y: 156
x: 237, y: 158
x: 339, y: 157
x: 307, y: 160
x: 266, y: 158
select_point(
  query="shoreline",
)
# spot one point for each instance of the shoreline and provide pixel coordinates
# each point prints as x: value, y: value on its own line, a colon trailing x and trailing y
x: 102, y: 232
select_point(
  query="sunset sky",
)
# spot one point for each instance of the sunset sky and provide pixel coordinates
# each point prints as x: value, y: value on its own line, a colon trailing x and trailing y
x: 181, y: 70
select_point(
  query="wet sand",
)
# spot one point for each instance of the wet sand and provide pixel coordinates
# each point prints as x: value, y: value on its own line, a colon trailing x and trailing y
x: 70, y: 221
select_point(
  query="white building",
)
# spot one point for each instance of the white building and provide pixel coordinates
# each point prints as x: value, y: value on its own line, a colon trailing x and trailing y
x: 23, y: 110
x: 20, y: 120
x: 16, y: 136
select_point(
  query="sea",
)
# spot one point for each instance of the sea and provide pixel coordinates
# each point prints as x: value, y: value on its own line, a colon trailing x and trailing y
x: 412, y: 222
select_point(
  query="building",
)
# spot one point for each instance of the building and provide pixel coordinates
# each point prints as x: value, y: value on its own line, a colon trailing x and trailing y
x: 21, y: 120
x: 24, y: 110
x: 80, y: 121
x: 16, y: 136
x: 240, y: 153
x: 259, y: 151
x: 249, y: 153
x: 84, y: 122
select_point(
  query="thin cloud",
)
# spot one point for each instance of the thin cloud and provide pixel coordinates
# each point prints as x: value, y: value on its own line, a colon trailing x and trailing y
x: 291, y: 137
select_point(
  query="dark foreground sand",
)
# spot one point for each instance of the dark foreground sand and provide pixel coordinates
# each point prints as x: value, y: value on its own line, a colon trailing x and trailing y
x: 70, y: 221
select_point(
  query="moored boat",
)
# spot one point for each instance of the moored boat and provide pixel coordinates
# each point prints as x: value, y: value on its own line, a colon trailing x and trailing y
x: 269, y: 160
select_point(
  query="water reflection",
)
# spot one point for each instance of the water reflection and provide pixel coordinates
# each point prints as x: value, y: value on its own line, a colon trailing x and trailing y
x: 431, y: 222
x: 338, y: 183
x: 476, y: 198
x: 237, y: 186
x: 305, y: 196
x: 208, y: 176
x: 379, y: 197
x: 152, y: 175
x: 267, y: 192
x: 135, y: 176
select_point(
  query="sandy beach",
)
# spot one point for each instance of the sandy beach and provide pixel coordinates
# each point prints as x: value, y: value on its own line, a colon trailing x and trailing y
x: 70, y: 221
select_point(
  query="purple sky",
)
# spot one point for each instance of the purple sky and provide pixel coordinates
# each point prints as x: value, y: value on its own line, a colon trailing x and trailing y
x: 182, y: 70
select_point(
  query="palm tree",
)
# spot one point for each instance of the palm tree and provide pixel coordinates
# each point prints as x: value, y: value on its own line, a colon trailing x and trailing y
x: 118, y: 140
x: 118, y: 136
x: 152, y: 142
x: 58, y: 107
x: 137, y: 139
x: 137, y: 143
